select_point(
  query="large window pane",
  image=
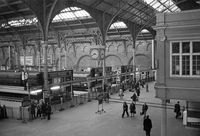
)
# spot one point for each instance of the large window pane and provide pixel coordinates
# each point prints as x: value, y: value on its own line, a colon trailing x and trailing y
x: 175, y: 47
x: 175, y: 65
x: 185, y: 58
x: 186, y: 65
x: 185, y: 47
x: 196, y: 47
x: 196, y: 64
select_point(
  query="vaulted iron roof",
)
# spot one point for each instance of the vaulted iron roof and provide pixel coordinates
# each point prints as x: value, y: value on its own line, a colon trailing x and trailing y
x: 17, y: 18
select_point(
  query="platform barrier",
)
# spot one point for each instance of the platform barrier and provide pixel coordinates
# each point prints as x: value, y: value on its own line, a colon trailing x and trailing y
x: 89, y: 96
x: 81, y: 97
x: 114, y: 89
x: 85, y: 98
x: 13, y: 112
x: 25, y: 112
x: 94, y: 95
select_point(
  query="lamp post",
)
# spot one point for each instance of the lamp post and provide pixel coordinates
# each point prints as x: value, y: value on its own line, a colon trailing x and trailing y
x: 27, y: 86
x: 25, y: 76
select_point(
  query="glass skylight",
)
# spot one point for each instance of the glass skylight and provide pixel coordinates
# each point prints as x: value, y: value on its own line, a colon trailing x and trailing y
x: 23, y: 22
x: 118, y: 25
x: 20, y: 22
x: 71, y: 13
x: 163, y: 5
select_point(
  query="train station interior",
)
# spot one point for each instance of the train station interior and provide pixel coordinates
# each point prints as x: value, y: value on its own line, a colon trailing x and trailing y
x: 67, y: 67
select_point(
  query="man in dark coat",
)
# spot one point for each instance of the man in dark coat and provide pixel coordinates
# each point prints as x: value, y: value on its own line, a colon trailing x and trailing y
x: 48, y: 111
x: 147, y: 125
x: 144, y: 109
x: 43, y: 110
x: 1, y: 112
x: 132, y: 109
x: 177, y: 109
x: 32, y: 111
x: 4, y: 112
x: 125, y: 109
x: 138, y: 91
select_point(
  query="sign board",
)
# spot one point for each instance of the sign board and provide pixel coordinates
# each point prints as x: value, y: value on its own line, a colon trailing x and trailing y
x: 24, y: 75
x: 46, y: 94
x: 49, y: 60
x: 118, y: 78
x: 81, y: 74
x: 28, y: 59
x: 99, y: 71
x: 57, y: 74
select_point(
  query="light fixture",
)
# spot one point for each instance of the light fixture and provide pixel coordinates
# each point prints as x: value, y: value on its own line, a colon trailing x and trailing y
x: 198, y: 1
x: 55, y: 87
x: 36, y: 91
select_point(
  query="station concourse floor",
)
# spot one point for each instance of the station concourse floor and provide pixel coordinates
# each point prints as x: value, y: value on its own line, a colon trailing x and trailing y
x: 83, y: 121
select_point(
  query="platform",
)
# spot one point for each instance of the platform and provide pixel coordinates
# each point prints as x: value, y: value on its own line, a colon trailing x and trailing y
x: 83, y: 121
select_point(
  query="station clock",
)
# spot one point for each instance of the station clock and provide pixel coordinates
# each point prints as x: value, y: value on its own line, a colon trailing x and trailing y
x: 94, y: 53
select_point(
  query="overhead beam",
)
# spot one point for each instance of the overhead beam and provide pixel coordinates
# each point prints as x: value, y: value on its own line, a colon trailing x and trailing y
x: 96, y: 3
x: 10, y: 12
x: 11, y: 3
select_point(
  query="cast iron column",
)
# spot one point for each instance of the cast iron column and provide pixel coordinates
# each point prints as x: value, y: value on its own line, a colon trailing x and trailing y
x: 24, y: 51
x: 153, y: 55
x: 9, y: 53
x: 134, y: 65
x: 46, y: 87
x: 59, y: 63
x: 39, y: 59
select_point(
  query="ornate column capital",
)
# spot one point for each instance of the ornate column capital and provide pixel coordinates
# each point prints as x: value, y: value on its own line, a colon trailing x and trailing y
x: 160, y: 36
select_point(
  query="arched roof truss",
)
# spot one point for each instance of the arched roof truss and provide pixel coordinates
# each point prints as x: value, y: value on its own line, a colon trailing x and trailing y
x: 17, y: 17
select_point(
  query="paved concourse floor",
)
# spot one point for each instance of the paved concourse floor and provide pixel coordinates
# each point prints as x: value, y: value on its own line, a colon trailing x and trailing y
x: 83, y: 121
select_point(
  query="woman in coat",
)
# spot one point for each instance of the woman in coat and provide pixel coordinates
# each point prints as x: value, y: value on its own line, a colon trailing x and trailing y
x: 132, y: 109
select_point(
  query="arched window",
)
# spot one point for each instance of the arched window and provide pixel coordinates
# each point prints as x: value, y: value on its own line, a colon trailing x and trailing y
x: 118, y: 25
x: 71, y: 13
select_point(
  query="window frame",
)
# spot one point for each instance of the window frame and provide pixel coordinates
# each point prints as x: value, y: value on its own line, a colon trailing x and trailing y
x: 180, y: 54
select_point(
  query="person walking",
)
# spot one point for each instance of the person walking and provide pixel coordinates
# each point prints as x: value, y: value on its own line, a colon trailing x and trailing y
x: 138, y: 92
x: 144, y: 109
x: 147, y: 87
x: 48, y: 111
x: 38, y: 110
x: 3, y: 113
x: 32, y: 110
x: 134, y: 97
x: 121, y: 94
x: 177, y: 109
x: 132, y: 109
x: 142, y: 83
x: 125, y: 109
x: 43, y: 110
x: 147, y: 125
